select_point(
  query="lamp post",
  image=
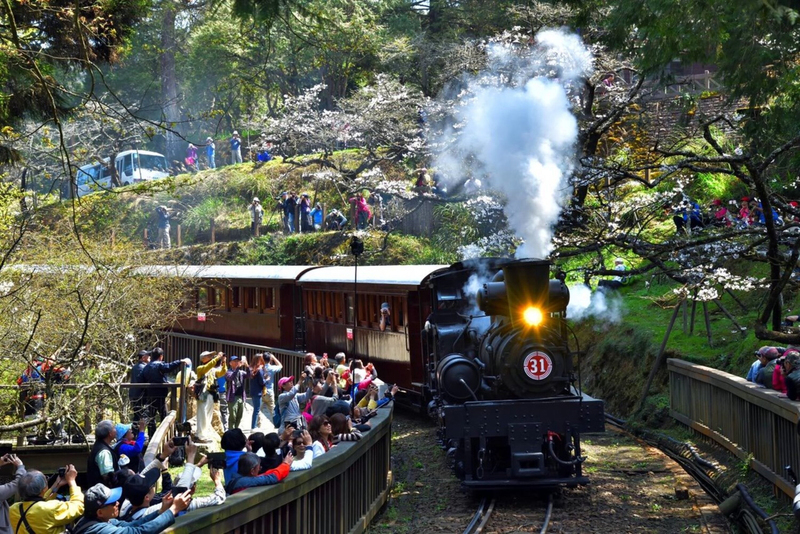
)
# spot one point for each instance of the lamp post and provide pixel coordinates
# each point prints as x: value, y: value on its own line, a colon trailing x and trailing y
x: 356, y: 249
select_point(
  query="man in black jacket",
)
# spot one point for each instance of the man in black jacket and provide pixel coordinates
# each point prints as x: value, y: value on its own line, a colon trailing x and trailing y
x: 136, y: 395
x: 156, y: 372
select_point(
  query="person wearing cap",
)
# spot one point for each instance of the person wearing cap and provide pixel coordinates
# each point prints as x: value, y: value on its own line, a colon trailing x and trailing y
x: 130, y: 446
x: 135, y: 394
x: 211, y: 153
x: 38, y: 510
x: 207, y: 373
x: 791, y: 373
x: 335, y: 220
x: 236, y: 148
x: 256, y: 216
x: 768, y: 357
x: 386, y: 317
x: 137, y: 492
x: 235, y: 390
x: 363, y: 213
x: 316, y: 217
x: 102, y: 509
x: 289, y: 402
x: 617, y: 281
x: 247, y: 475
x: 156, y: 372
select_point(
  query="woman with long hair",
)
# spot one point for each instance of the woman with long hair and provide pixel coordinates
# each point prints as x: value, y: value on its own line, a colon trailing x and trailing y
x: 320, y: 430
x: 341, y: 429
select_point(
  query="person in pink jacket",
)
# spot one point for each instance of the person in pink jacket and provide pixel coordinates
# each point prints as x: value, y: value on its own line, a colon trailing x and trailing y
x: 363, y: 213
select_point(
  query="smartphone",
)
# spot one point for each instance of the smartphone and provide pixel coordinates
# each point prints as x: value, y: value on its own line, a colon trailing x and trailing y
x: 180, y: 441
x: 217, y: 460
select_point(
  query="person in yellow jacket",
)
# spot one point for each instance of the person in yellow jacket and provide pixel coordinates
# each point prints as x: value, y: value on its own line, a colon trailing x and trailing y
x: 39, y: 511
x: 207, y: 374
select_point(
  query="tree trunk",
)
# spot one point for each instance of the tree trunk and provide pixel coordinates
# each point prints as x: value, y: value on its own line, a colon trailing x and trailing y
x: 169, y: 81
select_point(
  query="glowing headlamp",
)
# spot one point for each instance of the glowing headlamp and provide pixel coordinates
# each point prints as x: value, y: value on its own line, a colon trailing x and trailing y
x: 532, y: 316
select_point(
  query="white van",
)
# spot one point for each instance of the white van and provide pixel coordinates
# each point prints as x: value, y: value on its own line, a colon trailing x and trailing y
x: 133, y: 166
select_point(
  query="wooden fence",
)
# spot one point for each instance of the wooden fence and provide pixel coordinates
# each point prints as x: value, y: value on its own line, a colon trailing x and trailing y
x: 754, y: 423
x: 341, y: 493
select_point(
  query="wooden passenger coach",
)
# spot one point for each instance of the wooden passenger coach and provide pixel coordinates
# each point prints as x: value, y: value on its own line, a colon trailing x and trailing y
x: 318, y: 309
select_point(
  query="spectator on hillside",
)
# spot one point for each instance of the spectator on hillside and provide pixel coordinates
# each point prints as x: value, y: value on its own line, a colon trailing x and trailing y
x: 247, y: 475
x: 335, y: 220
x: 236, y: 148
x: 316, y: 217
x: 136, y: 395
x: 191, y: 157
x: 287, y: 204
x: 744, y: 219
x: 791, y: 372
x: 687, y: 217
x: 305, y: 214
x: 156, y: 372
x: 722, y: 217
x: 363, y: 213
x: 235, y: 389
x: 617, y: 281
x: 256, y: 216
x: 162, y: 215
x: 211, y: 153
x: 38, y: 509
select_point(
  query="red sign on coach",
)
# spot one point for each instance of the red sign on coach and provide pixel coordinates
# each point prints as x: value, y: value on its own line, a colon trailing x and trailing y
x: 349, y: 333
x: 537, y: 365
x: 201, y: 316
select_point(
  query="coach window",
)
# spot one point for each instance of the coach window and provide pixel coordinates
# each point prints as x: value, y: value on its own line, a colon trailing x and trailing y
x: 338, y: 308
x: 267, y: 296
x: 329, y: 307
x: 349, y: 306
x: 320, y: 306
x: 250, y: 302
x: 236, y: 298
x: 202, y: 298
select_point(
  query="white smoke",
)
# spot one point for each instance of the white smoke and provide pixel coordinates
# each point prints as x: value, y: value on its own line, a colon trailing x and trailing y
x: 513, y: 128
x: 585, y: 303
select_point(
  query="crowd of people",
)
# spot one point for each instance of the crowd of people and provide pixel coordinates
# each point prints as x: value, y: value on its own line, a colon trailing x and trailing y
x: 331, y: 402
x: 300, y: 213
x: 689, y: 217
x: 777, y: 368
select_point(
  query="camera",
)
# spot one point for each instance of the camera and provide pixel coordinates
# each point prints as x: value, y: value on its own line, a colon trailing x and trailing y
x: 217, y: 460
x: 180, y: 441
x: 183, y: 428
x: 62, y: 471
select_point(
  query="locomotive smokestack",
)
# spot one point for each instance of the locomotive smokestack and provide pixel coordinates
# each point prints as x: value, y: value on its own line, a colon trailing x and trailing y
x: 527, y: 289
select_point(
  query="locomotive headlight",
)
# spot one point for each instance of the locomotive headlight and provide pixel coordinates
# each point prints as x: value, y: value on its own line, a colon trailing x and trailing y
x: 532, y: 316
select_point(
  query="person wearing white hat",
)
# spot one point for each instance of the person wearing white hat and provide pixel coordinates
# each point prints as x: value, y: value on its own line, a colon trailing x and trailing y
x: 211, y: 153
x: 207, y: 374
x: 616, y: 282
x: 256, y: 216
x: 236, y: 148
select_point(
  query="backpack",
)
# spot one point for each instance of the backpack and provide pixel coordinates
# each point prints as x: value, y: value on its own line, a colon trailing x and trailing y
x: 277, y: 416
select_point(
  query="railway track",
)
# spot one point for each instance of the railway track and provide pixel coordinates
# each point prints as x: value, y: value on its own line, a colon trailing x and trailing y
x: 484, y: 513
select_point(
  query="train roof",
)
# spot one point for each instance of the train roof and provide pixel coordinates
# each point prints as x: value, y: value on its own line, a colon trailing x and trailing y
x: 403, y: 275
x: 230, y: 272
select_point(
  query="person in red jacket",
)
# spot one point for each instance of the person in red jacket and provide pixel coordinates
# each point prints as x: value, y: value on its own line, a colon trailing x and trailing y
x: 248, y: 476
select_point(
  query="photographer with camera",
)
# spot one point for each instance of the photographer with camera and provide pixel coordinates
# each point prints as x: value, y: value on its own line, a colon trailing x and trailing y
x: 8, y: 490
x: 130, y: 447
x: 38, y: 509
x: 207, y: 393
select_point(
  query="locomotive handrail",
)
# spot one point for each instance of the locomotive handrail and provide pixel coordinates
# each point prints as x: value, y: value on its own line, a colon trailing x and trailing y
x: 341, y: 493
x: 756, y: 424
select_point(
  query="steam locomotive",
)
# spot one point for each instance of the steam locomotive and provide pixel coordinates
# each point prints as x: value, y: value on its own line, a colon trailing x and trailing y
x: 501, y: 376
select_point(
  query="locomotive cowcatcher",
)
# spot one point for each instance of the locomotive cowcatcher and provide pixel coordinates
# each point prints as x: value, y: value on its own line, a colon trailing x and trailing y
x: 501, y: 376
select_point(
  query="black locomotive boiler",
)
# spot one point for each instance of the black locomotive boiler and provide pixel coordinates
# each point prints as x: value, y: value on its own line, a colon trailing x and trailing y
x: 501, y: 376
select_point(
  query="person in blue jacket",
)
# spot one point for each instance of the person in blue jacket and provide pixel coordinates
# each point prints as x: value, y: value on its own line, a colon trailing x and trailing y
x: 130, y: 447
x: 211, y: 153
x: 248, y: 475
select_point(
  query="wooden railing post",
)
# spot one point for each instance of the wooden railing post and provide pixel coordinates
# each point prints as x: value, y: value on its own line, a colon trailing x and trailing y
x: 213, y: 232
x: 178, y: 236
x: 113, y: 237
x: 146, y: 240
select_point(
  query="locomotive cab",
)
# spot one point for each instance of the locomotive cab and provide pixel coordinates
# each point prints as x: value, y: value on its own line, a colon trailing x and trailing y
x: 502, y: 378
